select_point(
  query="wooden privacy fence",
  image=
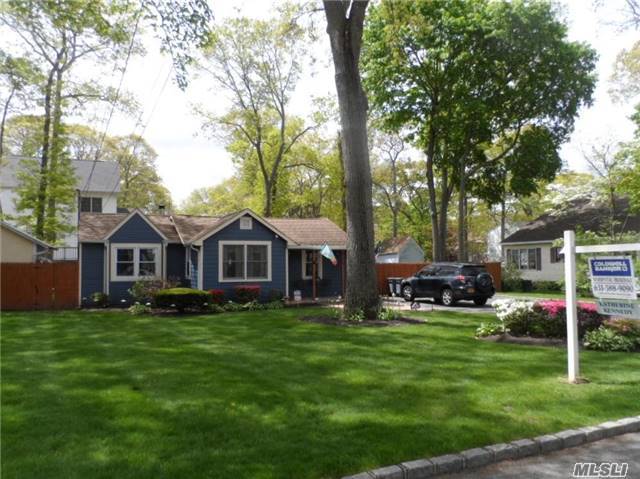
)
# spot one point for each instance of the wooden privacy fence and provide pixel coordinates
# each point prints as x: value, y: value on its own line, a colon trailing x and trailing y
x: 39, y: 285
x: 402, y: 270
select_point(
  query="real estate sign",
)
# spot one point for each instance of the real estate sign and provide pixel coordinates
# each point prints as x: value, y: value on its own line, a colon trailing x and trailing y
x: 625, y: 308
x: 612, y: 277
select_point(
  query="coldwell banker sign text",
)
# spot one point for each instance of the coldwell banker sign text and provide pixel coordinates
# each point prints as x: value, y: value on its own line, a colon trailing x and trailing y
x: 612, y: 277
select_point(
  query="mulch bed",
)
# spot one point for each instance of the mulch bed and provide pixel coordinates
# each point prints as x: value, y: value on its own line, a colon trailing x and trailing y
x: 374, y: 323
x: 526, y: 340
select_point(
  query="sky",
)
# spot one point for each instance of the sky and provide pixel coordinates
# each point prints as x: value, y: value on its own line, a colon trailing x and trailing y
x: 187, y: 159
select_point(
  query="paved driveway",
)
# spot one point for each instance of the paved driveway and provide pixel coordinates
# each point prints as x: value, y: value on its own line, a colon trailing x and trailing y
x: 429, y: 305
x: 560, y: 464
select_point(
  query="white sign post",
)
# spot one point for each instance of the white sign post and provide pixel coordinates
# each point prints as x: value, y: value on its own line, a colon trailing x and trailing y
x: 603, y: 286
x: 573, y: 357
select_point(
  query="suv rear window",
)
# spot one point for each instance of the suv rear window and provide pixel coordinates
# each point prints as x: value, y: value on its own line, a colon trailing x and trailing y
x: 446, y: 271
x: 472, y: 270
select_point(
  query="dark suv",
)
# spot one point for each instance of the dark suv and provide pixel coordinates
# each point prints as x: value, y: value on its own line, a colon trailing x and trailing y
x: 447, y: 283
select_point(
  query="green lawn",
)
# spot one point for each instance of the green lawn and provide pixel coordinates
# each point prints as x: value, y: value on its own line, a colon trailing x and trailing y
x: 541, y: 295
x: 263, y: 395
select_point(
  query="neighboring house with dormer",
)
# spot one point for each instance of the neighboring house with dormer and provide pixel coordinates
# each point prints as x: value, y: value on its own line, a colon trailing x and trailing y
x: 531, y: 248
x: 97, y: 188
x: 403, y: 249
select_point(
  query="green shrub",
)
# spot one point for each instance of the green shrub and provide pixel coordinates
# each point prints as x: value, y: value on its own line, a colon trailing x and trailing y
x: 182, y: 298
x: 232, y: 307
x: 522, y: 321
x: 547, y: 286
x: 277, y: 304
x: 606, y: 339
x: 356, y: 316
x: 387, y: 314
x: 214, y: 308
x: 100, y: 299
x: 139, y: 309
x: 252, y: 306
x: 490, y: 329
x: 144, y: 290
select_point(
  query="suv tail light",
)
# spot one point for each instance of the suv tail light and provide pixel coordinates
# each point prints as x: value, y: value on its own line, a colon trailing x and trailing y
x: 461, y: 278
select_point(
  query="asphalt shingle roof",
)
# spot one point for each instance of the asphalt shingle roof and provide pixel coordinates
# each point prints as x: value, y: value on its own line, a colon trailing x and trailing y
x: 105, y: 177
x: 184, y: 228
x: 581, y: 214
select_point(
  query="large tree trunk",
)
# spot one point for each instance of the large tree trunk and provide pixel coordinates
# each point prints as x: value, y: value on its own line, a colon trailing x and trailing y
x: 44, y: 159
x: 343, y: 186
x: 433, y: 209
x: 462, y: 214
x: 445, y: 197
x: 395, y: 207
x: 345, y: 21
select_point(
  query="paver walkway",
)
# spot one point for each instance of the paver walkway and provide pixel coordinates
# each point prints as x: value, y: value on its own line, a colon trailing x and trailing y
x: 560, y: 464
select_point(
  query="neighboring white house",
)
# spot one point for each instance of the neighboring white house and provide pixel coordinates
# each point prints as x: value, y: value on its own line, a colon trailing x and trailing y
x: 97, y: 188
x: 399, y: 250
x: 532, y: 248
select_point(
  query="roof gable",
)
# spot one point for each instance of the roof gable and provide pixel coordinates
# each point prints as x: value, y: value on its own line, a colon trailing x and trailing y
x: 136, y: 227
x: 227, y: 220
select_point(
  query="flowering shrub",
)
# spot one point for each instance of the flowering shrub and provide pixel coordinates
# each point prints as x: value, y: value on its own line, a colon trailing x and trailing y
x: 247, y: 293
x: 217, y: 296
x: 546, y: 319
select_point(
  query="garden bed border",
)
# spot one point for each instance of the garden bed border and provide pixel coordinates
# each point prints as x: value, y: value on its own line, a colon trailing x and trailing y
x: 483, y: 456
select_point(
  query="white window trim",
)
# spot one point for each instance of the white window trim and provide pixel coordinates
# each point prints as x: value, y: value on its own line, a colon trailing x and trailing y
x: 304, y: 262
x: 136, y: 263
x: 244, y: 279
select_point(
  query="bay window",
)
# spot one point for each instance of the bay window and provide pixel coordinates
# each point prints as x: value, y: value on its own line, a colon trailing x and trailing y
x: 244, y: 261
x: 135, y: 262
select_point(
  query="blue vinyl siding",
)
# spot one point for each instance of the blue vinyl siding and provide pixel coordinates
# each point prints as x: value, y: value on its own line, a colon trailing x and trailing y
x: 92, y: 273
x: 329, y: 286
x: 176, y: 263
x: 136, y: 230
x: 233, y: 233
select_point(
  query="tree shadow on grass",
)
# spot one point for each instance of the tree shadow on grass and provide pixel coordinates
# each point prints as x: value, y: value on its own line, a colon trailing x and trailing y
x: 262, y: 395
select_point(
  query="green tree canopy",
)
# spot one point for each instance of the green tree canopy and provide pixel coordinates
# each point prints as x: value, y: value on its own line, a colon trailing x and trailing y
x: 462, y: 76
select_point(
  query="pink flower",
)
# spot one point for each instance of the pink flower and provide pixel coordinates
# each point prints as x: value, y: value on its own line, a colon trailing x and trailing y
x: 555, y: 306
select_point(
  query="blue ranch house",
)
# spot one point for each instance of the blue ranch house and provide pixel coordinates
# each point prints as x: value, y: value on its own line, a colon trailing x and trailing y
x: 205, y: 252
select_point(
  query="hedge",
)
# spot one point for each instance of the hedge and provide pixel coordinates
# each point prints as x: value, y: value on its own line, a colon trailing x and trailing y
x: 182, y: 298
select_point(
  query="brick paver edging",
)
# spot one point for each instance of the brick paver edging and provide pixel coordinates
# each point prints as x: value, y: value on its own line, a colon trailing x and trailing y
x: 482, y: 456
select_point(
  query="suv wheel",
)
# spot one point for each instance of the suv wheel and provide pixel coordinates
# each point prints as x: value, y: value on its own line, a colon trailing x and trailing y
x: 447, y: 297
x: 480, y: 301
x: 407, y: 293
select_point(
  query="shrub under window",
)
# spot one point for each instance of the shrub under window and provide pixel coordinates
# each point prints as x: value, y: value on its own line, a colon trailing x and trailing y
x: 182, y: 298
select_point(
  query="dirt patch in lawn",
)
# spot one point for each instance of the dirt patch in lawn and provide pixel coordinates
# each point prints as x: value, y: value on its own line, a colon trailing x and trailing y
x: 526, y: 340
x: 374, y: 323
